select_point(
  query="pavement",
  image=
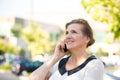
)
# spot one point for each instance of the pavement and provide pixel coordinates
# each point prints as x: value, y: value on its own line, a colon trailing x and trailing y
x: 23, y: 78
x: 8, y: 75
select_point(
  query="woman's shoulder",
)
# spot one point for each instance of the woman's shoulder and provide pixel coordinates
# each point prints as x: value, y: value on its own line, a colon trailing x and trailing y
x: 96, y: 62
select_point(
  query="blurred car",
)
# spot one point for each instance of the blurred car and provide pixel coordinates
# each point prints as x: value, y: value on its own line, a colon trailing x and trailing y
x: 110, y: 76
x: 2, y: 57
x: 117, y: 73
x: 24, y: 65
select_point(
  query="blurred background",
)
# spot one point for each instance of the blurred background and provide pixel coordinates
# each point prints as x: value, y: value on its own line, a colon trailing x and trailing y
x: 30, y: 29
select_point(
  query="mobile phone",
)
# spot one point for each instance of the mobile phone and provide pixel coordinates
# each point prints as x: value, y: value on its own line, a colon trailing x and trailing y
x: 65, y: 48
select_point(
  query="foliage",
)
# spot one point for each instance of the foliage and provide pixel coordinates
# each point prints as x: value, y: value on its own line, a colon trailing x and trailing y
x: 6, y: 66
x: 2, y: 45
x: 106, y: 11
x: 22, y: 52
x: 37, y: 39
x: 16, y: 30
x: 8, y: 48
x: 100, y: 52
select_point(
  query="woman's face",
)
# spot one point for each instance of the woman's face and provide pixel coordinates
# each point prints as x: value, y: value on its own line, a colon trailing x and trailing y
x: 74, y: 36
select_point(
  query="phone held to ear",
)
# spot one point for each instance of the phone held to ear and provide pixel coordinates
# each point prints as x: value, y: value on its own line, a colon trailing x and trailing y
x: 65, y: 48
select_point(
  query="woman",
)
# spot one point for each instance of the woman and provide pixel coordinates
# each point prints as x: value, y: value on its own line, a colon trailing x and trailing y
x: 79, y: 65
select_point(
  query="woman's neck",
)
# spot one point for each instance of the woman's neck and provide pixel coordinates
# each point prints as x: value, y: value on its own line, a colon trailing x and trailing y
x: 78, y: 56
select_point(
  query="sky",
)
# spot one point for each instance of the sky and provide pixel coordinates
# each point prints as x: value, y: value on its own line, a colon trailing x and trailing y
x: 57, y: 12
x: 22, y: 7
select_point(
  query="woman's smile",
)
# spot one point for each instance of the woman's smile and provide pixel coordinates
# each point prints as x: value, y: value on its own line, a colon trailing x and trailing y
x: 69, y: 44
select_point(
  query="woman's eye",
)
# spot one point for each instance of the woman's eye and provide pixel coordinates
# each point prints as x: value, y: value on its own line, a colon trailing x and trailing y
x: 73, y: 31
x: 70, y: 32
x: 66, y: 32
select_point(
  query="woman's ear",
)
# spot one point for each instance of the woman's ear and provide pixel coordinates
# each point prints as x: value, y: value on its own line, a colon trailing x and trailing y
x: 87, y: 39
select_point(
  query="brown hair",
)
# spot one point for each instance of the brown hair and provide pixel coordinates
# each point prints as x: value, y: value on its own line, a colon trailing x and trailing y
x: 86, y: 29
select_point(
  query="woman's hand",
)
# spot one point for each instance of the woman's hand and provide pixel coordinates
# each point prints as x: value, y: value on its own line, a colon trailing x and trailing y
x: 59, y: 52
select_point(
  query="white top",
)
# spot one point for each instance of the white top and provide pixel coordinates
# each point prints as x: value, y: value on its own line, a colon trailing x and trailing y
x: 91, y: 69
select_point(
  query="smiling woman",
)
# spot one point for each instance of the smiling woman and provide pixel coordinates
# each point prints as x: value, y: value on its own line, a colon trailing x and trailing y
x: 77, y: 66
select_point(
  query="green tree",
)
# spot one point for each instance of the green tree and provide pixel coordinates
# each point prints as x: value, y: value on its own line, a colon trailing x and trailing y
x: 16, y: 30
x: 106, y: 11
x: 8, y: 48
x: 37, y: 39
x: 100, y: 52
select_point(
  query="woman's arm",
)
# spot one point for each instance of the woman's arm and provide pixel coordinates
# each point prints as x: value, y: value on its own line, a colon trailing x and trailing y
x: 43, y: 72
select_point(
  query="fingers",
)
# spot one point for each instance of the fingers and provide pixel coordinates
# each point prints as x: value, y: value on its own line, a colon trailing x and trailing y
x: 59, y: 51
x: 62, y: 44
